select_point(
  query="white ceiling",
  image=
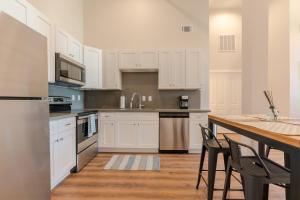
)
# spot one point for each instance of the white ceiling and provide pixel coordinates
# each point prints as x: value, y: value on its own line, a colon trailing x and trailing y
x: 225, y: 3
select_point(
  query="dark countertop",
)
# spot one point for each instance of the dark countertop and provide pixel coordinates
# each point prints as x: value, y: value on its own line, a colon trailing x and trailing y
x: 74, y: 113
x: 152, y: 110
x: 67, y: 114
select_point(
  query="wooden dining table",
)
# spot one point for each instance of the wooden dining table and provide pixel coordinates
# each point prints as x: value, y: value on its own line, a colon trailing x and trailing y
x: 282, y: 134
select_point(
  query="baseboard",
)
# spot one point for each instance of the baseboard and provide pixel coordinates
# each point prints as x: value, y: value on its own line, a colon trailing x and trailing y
x: 127, y: 150
x: 195, y: 151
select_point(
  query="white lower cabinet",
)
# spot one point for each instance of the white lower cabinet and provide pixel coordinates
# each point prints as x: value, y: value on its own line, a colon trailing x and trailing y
x: 62, y: 149
x: 129, y: 132
x: 195, y: 144
x: 148, y: 136
x: 107, y: 136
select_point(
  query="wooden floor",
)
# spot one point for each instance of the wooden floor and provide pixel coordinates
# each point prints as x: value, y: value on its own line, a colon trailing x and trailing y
x: 176, y: 180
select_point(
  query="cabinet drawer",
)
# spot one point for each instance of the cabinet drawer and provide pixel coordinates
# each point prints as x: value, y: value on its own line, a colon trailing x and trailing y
x: 53, y: 126
x: 66, y: 124
x: 138, y: 116
x: 107, y: 116
x: 199, y: 116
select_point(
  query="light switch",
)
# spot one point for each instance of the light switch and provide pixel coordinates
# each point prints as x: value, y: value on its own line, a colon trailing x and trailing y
x: 78, y: 97
x: 73, y: 97
x: 143, y: 98
x: 150, y: 98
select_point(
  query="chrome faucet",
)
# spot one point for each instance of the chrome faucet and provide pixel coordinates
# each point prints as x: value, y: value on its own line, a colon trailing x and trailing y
x: 140, y: 100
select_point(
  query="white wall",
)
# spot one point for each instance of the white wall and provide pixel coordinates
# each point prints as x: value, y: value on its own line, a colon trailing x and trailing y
x: 294, y: 23
x: 271, y: 55
x: 255, y: 56
x: 278, y: 54
x: 225, y: 21
x: 68, y: 14
x: 225, y: 67
x: 134, y: 24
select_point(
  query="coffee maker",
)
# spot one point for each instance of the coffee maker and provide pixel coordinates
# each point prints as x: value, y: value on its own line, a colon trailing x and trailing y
x: 183, y: 102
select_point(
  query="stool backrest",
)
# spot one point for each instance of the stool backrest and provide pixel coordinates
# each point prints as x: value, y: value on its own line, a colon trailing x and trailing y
x: 236, y: 155
x: 207, y: 135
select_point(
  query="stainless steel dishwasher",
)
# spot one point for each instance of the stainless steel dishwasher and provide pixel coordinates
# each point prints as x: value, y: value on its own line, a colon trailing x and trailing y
x: 173, y: 132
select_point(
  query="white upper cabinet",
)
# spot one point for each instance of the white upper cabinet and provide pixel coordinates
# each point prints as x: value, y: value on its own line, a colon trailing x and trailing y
x: 148, y: 59
x: 93, y: 67
x: 75, y: 50
x: 172, y: 69
x: 111, y: 73
x: 142, y: 60
x: 165, y: 65
x: 38, y: 22
x: 68, y: 45
x: 19, y: 9
x: 178, y: 69
x: 61, y: 42
x: 128, y: 59
x: 193, y: 68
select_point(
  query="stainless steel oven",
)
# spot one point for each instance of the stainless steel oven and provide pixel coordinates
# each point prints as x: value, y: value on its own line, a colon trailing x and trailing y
x: 87, y: 138
x: 68, y: 71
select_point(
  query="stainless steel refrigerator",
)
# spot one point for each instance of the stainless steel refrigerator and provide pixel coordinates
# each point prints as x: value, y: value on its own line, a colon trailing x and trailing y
x: 24, y: 118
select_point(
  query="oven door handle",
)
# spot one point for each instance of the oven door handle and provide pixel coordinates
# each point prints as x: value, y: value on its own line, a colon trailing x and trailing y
x: 84, y: 119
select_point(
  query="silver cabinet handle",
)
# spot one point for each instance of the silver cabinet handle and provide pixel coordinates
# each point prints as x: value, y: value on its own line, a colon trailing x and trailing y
x: 69, y: 124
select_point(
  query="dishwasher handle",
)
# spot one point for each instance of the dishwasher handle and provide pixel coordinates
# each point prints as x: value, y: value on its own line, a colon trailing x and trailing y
x: 174, y: 115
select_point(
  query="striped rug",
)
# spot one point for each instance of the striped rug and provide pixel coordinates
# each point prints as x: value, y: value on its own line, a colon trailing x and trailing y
x: 134, y: 162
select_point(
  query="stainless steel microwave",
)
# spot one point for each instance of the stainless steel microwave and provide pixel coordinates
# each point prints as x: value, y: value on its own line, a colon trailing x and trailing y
x: 68, y: 72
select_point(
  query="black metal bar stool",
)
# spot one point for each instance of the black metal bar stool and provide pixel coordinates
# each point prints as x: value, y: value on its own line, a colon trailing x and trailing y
x: 213, y: 146
x: 256, y: 172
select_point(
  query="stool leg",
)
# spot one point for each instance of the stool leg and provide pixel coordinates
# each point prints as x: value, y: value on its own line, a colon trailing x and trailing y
x: 225, y: 156
x: 212, y: 165
x: 266, y: 192
x: 227, y: 181
x: 201, y: 165
x: 254, y: 189
x: 268, y: 151
x: 243, y: 183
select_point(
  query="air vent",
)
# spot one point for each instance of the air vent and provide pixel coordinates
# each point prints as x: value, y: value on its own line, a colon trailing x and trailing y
x: 186, y: 29
x: 227, y: 43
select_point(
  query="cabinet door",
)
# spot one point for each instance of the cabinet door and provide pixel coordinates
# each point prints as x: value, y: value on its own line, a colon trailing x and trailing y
x: 148, y: 59
x: 193, y: 68
x: 111, y: 73
x: 54, y: 159
x: 19, y: 9
x: 128, y: 59
x: 75, y: 50
x: 148, y: 134
x: 178, y: 69
x: 107, y: 134
x: 67, y: 150
x: 165, y: 65
x: 195, y: 136
x: 127, y: 134
x: 41, y: 24
x: 93, y: 67
x: 61, y: 42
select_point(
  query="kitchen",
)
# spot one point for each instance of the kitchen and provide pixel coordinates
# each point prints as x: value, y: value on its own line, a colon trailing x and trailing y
x: 114, y: 95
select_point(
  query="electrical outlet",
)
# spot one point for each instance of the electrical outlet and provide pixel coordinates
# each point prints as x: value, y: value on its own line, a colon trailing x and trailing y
x: 73, y: 97
x: 78, y: 97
